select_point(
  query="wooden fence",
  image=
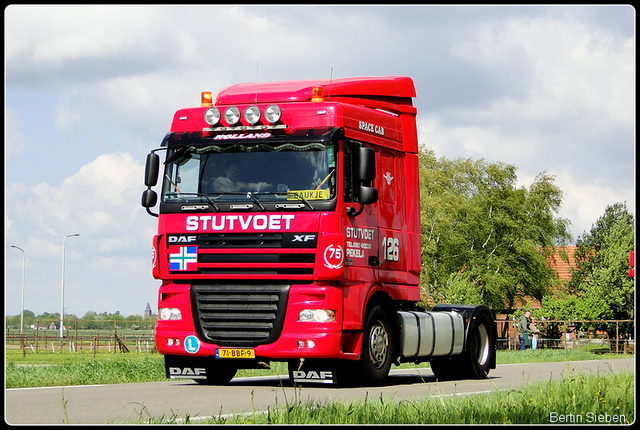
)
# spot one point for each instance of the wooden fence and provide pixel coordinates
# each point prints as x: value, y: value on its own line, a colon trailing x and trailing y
x: 598, y: 335
x: 121, y: 337
x: 130, y: 337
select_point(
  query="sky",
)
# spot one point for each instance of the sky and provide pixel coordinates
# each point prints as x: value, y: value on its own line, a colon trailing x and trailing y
x: 90, y: 90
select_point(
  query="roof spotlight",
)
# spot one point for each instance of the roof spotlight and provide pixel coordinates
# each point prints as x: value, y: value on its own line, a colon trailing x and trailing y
x: 232, y: 115
x: 272, y: 113
x: 252, y: 114
x: 212, y: 116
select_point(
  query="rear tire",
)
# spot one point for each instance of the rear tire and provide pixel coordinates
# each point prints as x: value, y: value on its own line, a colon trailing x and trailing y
x: 480, y: 348
x: 446, y: 368
x: 475, y: 361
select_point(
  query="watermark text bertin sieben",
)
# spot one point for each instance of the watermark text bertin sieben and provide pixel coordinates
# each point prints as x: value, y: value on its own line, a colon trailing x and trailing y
x: 586, y: 418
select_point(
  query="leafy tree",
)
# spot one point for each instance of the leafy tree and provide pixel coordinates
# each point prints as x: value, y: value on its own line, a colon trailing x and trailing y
x: 602, y: 263
x: 46, y: 316
x: 89, y: 316
x: 90, y: 320
x: 484, y: 239
x: 564, y: 306
x: 12, y: 321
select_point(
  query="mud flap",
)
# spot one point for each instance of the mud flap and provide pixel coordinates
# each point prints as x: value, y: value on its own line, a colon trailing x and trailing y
x: 178, y: 367
x: 313, y: 371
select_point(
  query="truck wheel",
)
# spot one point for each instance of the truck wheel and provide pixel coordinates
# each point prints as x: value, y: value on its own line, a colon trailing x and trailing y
x: 378, y: 345
x: 475, y: 360
x: 479, y: 348
x: 218, y: 375
x: 445, y: 368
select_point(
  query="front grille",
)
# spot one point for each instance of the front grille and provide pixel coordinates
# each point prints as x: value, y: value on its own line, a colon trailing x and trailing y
x: 239, y: 315
x: 240, y: 240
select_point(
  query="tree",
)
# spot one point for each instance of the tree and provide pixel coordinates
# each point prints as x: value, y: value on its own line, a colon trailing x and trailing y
x: 484, y: 239
x: 602, y: 263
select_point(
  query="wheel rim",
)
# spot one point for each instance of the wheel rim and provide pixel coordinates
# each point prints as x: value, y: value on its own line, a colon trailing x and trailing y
x: 483, y: 348
x: 378, y: 345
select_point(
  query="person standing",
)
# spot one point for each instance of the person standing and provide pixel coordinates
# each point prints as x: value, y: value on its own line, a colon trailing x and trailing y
x: 535, y: 331
x: 523, y: 328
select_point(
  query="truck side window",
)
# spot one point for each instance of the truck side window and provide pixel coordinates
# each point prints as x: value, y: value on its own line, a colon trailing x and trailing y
x: 350, y: 195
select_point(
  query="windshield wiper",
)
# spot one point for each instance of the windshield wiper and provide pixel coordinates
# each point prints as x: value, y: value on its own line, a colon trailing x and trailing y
x: 301, y: 197
x: 209, y: 199
x: 256, y: 200
x: 251, y: 195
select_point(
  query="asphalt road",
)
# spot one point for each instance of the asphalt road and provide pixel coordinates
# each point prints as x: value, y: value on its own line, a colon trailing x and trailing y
x: 128, y: 403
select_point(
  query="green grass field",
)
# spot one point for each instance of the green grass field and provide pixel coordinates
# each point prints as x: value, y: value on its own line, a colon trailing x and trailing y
x: 45, y: 368
x: 583, y: 399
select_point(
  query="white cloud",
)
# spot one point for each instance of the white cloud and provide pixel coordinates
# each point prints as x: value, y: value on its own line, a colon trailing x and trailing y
x: 96, y: 195
x: 580, y: 76
x: 101, y: 202
x: 63, y: 33
x: 16, y: 141
x: 585, y: 201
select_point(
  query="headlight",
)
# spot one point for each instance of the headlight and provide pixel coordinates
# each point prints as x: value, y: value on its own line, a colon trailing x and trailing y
x: 252, y: 114
x: 212, y: 116
x: 317, y: 315
x: 232, y: 115
x: 166, y: 314
x: 272, y: 113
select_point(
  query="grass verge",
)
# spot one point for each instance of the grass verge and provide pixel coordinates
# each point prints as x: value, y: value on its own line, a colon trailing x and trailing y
x: 43, y: 369
x: 578, y: 398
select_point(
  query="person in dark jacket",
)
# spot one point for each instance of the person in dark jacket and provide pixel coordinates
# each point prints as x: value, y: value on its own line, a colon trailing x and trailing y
x: 523, y: 327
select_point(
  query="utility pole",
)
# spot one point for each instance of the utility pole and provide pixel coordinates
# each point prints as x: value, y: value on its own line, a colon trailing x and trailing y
x: 62, y: 290
x: 22, y: 300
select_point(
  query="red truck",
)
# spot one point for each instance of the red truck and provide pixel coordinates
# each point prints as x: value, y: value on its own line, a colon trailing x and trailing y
x: 289, y: 230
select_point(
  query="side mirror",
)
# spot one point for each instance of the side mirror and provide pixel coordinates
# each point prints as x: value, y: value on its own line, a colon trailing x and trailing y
x: 367, y: 195
x: 366, y: 165
x: 151, y: 170
x: 365, y: 173
x: 149, y: 198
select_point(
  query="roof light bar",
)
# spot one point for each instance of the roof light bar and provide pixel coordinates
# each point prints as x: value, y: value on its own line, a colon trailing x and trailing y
x: 232, y: 116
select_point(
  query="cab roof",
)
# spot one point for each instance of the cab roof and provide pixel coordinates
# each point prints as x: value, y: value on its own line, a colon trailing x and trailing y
x: 396, y: 89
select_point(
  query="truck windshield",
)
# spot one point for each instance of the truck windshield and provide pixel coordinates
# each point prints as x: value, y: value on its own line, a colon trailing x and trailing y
x: 251, y: 173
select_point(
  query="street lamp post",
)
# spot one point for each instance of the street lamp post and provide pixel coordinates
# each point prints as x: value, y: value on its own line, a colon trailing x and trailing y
x: 62, y: 289
x: 22, y: 299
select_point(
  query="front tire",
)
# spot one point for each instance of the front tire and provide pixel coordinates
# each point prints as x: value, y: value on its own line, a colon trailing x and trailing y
x: 220, y: 374
x: 378, y: 346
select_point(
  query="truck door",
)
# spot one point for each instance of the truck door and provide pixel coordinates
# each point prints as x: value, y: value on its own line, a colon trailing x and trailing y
x: 361, y: 231
x: 390, y: 216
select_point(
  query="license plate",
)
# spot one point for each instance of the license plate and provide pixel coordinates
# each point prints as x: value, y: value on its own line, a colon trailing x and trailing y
x: 235, y: 353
